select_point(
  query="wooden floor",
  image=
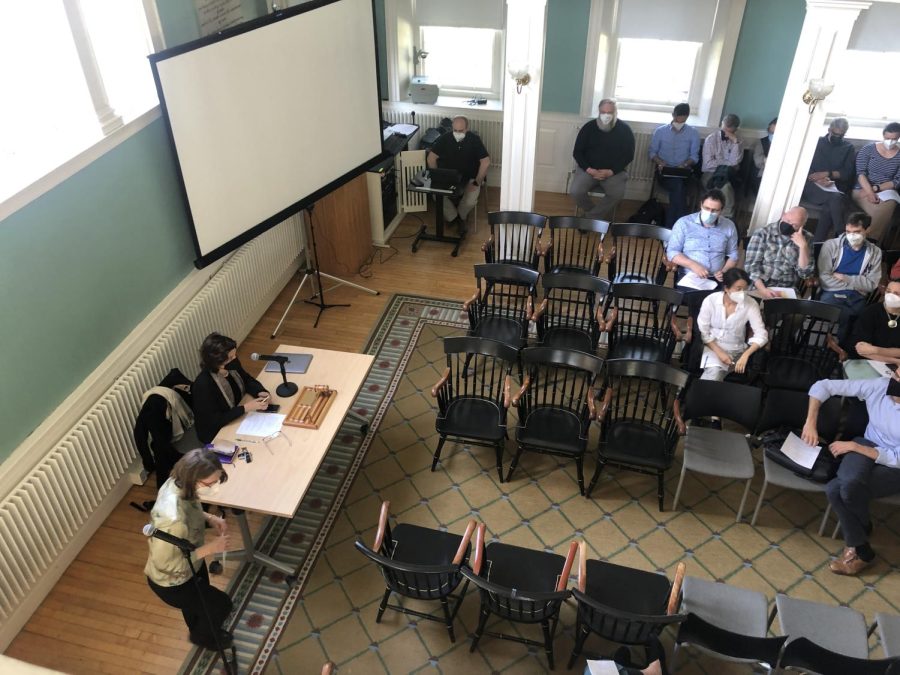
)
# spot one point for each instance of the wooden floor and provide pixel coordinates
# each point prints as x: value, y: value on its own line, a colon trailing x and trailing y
x: 101, y: 617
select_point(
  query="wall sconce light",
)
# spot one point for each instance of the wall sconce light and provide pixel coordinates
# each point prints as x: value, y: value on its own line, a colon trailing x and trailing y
x: 818, y: 90
x: 520, y: 75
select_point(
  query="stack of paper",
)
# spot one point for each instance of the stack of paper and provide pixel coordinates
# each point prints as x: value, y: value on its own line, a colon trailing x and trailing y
x: 604, y: 667
x: 258, y: 425
x: 691, y: 280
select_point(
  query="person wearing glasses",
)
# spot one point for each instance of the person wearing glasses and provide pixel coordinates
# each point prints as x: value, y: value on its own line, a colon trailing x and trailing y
x: 178, y: 512
x: 832, y: 173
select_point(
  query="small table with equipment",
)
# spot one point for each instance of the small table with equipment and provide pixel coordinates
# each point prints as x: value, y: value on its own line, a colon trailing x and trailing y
x: 438, y: 235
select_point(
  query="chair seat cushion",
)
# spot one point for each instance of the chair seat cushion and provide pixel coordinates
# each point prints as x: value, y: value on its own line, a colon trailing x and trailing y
x: 568, y: 338
x: 627, y: 589
x: 503, y: 329
x: 571, y: 269
x: 524, y: 569
x: 640, y: 348
x: 717, y: 453
x: 477, y: 418
x: 423, y: 546
x: 839, y: 629
x: 783, y: 477
x: 636, y: 443
x: 553, y: 429
x: 735, y: 609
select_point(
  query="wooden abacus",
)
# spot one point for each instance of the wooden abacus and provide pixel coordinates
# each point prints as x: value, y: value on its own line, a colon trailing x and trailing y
x: 311, y: 406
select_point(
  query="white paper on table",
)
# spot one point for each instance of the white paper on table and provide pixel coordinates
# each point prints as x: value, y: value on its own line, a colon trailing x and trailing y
x: 783, y: 292
x: 880, y: 368
x: 403, y: 129
x: 260, y: 425
x: 827, y: 188
x: 884, y: 195
x: 799, y: 452
x: 604, y: 667
x: 691, y: 280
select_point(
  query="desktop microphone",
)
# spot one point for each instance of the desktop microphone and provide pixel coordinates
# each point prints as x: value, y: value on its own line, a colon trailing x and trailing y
x: 150, y: 531
x: 277, y: 358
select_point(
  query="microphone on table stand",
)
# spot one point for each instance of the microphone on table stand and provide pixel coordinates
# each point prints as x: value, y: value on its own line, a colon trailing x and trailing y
x: 285, y: 389
x: 150, y: 531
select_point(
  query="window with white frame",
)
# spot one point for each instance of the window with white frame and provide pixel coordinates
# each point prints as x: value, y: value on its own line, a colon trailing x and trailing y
x: 77, y: 70
x: 462, y: 61
x: 650, y: 56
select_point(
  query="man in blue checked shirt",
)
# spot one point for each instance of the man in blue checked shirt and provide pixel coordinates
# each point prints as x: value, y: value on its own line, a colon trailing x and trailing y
x: 705, y: 243
x: 675, y: 145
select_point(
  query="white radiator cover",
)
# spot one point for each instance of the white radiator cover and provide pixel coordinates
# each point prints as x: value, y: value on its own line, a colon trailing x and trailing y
x: 62, y: 497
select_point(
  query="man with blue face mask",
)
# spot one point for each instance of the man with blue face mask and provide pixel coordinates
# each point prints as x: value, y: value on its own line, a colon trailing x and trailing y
x: 705, y: 243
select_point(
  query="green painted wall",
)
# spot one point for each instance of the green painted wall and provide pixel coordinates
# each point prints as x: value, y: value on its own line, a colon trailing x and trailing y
x: 80, y: 267
x: 762, y: 59
x: 564, y: 52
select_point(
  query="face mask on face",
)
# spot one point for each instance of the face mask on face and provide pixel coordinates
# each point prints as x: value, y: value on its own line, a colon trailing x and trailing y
x: 786, y: 229
x: 770, y: 137
x: 459, y: 136
x: 834, y: 139
x: 889, y: 143
x: 678, y: 126
x: 737, y: 296
x: 606, y: 118
x: 856, y: 238
x: 707, y: 217
x: 892, y: 301
x: 207, y: 491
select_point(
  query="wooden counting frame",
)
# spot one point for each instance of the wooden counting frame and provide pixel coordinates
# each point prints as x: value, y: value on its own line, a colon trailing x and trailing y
x: 311, y: 407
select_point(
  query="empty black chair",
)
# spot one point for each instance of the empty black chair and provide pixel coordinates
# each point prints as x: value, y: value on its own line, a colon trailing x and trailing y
x: 623, y: 604
x: 515, y: 238
x: 640, y: 418
x: 576, y: 245
x: 473, y: 394
x: 571, y: 314
x: 637, y: 253
x: 520, y: 585
x: 556, y: 404
x: 802, y: 348
x: 503, y: 303
x: 806, y: 656
x: 640, y: 322
x: 419, y: 563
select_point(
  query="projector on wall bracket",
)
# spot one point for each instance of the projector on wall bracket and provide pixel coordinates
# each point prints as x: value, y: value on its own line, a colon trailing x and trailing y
x: 421, y: 91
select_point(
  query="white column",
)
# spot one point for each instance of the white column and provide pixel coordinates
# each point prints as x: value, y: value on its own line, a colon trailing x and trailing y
x: 525, y: 26
x: 823, y: 41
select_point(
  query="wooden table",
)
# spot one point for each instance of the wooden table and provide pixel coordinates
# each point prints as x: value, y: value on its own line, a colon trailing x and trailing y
x: 282, y: 469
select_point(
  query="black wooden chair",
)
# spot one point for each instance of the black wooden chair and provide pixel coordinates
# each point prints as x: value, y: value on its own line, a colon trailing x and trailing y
x: 576, y: 245
x: 473, y: 394
x: 623, y: 604
x: 637, y: 253
x: 805, y: 656
x: 420, y: 563
x: 515, y: 238
x: 556, y: 404
x: 520, y: 585
x: 640, y: 322
x: 640, y: 418
x: 802, y: 347
x: 503, y: 303
x: 571, y: 314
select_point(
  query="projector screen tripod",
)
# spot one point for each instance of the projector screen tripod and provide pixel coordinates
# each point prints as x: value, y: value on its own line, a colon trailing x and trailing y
x: 314, y: 275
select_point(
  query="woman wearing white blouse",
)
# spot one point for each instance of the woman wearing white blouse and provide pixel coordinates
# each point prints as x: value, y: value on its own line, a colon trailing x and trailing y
x: 722, y: 322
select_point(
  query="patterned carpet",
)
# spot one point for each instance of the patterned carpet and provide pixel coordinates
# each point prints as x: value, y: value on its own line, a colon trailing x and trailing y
x: 330, y: 613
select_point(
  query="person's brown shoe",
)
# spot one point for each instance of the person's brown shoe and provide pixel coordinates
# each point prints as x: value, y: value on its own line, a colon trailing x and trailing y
x: 849, y: 563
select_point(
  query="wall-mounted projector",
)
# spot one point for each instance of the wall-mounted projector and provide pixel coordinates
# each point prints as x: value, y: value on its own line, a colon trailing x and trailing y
x: 421, y: 91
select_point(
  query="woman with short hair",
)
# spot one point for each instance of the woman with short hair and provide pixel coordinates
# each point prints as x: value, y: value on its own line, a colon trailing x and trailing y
x: 878, y: 169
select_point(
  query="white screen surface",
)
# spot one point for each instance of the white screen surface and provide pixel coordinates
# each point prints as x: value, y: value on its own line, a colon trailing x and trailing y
x: 263, y: 119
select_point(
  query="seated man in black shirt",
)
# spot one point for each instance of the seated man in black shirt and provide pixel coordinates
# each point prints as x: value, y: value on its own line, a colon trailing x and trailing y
x: 876, y: 333
x: 833, y: 167
x: 463, y: 151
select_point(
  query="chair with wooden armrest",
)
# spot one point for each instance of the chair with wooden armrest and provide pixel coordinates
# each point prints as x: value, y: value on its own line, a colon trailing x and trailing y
x: 571, y: 314
x: 575, y: 246
x: 636, y: 253
x: 801, y: 347
x: 641, y: 322
x: 420, y: 563
x: 520, y: 585
x: 503, y: 303
x: 515, y: 238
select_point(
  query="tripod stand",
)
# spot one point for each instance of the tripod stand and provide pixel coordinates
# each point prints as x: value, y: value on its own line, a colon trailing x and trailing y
x: 312, y: 273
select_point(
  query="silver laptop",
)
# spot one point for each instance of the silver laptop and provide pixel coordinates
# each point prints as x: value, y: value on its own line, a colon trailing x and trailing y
x: 297, y: 363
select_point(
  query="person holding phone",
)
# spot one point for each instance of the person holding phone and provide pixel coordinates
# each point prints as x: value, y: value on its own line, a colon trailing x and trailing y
x: 221, y: 385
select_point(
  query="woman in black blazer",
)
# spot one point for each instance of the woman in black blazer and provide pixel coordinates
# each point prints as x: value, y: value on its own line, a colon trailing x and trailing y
x: 220, y: 386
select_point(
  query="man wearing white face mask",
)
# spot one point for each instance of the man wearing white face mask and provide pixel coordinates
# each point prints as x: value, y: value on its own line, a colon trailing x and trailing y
x: 849, y: 269
x: 876, y: 333
x: 705, y: 243
x: 878, y: 169
x: 603, y: 150
x: 675, y: 145
x: 723, y: 151
x: 463, y: 151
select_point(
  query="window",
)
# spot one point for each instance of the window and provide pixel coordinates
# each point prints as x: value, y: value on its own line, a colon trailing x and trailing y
x: 640, y: 80
x: 855, y: 82
x: 462, y: 72
x: 78, y: 72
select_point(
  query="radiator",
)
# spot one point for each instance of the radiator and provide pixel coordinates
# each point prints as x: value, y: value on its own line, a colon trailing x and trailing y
x: 491, y: 131
x: 46, y: 511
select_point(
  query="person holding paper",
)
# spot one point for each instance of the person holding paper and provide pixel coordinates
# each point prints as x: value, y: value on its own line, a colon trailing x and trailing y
x: 832, y: 173
x: 849, y: 269
x: 705, y: 243
x: 221, y: 385
x: 876, y: 333
x: 722, y: 322
x: 870, y: 464
x: 780, y: 254
x: 178, y: 512
x: 878, y: 170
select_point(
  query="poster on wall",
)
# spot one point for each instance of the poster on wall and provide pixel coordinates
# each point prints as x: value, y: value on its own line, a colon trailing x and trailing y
x: 216, y: 15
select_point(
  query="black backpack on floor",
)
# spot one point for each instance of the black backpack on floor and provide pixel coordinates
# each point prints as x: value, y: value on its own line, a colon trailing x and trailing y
x: 651, y: 212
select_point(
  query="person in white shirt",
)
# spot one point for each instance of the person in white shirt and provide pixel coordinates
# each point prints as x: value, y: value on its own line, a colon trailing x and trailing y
x: 722, y: 322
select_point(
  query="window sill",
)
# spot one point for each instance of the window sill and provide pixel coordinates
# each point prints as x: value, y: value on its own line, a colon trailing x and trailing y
x: 68, y: 169
x: 452, y: 102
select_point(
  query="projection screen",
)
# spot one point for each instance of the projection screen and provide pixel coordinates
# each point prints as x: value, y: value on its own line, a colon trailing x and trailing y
x: 269, y: 116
